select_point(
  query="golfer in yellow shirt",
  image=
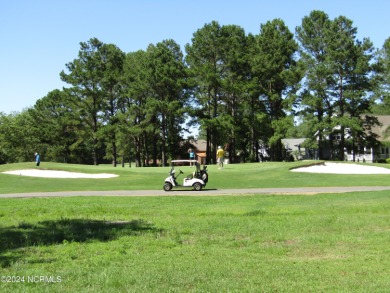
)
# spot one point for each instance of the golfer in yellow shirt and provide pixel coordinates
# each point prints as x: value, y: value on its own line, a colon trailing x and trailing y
x: 220, y: 157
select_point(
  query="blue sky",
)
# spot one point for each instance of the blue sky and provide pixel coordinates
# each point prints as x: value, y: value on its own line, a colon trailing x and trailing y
x: 38, y: 37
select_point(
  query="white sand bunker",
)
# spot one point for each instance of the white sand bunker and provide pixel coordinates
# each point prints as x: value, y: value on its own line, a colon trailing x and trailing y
x: 342, y: 168
x: 58, y: 174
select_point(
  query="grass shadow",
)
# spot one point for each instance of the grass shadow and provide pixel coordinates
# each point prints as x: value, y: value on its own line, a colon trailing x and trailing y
x: 65, y: 230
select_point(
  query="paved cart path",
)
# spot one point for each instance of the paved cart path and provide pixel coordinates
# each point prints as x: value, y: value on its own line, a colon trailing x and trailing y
x: 205, y: 192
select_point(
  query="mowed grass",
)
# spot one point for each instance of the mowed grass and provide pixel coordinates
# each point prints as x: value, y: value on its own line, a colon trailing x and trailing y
x: 256, y: 175
x: 260, y: 243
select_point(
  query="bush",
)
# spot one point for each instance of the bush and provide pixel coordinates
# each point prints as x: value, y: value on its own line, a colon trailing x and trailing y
x: 382, y: 161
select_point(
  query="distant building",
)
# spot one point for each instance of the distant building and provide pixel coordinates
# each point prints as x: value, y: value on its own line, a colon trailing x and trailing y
x: 383, y: 152
x: 294, y: 148
x: 200, y: 147
x: 364, y: 153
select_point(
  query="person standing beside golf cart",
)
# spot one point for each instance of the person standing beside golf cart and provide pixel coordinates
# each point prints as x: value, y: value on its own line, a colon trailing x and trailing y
x: 192, y: 156
x: 220, y: 157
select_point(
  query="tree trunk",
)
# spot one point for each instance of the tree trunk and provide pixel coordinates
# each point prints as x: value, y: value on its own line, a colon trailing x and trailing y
x: 114, y: 153
x: 163, y: 141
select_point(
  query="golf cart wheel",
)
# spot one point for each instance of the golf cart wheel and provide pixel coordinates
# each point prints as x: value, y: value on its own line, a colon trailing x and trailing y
x: 197, y: 186
x: 167, y: 186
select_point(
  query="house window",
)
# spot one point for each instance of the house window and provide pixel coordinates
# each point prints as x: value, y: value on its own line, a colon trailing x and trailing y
x: 337, y: 137
x: 385, y: 152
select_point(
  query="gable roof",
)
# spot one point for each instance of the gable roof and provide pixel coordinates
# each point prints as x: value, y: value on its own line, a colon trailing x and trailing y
x: 293, y: 143
x: 200, y: 145
x: 381, y: 129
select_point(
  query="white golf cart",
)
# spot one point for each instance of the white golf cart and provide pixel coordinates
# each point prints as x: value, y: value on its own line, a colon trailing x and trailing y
x: 197, y: 180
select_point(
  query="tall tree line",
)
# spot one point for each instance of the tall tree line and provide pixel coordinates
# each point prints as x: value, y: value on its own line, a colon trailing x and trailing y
x: 243, y: 91
x: 339, y: 84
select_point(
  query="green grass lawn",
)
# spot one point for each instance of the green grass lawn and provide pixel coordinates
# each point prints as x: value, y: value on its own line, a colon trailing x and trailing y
x: 322, y: 243
x: 258, y: 243
x: 256, y: 175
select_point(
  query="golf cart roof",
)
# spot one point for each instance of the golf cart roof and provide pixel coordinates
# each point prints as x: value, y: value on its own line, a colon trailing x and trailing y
x: 183, y: 161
